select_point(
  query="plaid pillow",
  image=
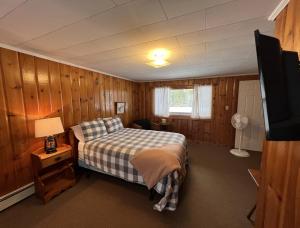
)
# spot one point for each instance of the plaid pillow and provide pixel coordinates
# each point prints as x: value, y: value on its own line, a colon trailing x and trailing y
x: 93, y: 129
x: 113, y: 124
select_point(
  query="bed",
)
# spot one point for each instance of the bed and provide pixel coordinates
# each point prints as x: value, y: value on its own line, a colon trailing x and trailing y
x: 111, y: 155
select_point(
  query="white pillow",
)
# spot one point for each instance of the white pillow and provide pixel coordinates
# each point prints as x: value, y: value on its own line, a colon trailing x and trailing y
x: 78, y: 133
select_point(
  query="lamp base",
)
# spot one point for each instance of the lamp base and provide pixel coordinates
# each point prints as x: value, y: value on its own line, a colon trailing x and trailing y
x: 50, y: 144
x: 50, y: 151
x: 239, y: 153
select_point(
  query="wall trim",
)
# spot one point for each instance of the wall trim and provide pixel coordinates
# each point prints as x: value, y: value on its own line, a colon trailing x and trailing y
x: 201, y: 77
x: 17, y: 49
x: 282, y: 4
x: 15, y: 196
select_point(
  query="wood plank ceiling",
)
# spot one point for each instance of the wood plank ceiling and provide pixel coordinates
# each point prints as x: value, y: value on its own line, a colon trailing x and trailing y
x: 206, y: 37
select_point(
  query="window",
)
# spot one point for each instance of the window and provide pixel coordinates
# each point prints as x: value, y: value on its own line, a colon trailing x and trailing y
x: 181, y: 101
x: 196, y: 102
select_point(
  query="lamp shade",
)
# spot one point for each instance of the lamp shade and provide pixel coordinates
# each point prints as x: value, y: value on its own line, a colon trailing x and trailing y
x: 47, y: 127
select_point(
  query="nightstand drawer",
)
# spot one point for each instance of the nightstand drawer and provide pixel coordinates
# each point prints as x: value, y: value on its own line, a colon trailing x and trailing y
x: 56, y: 158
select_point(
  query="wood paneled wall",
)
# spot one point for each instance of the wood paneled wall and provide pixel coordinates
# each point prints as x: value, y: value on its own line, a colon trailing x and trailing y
x: 278, y: 196
x: 217, y: 130
x: 32, y: 88
x: 287, y: 27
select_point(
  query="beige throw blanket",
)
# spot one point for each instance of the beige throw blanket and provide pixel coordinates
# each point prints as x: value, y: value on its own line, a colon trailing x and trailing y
x: 155, y: 163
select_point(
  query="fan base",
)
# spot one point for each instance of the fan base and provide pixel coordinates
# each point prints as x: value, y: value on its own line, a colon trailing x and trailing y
x: 239, y: 153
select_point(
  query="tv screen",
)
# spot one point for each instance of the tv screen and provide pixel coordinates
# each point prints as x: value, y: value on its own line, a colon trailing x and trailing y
x: 279, y: 73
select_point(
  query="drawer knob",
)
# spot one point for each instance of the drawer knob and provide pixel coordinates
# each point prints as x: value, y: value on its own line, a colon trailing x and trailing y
x: 57, y: 158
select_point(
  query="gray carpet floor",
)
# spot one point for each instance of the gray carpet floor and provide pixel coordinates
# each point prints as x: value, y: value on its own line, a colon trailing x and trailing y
x: 217, y: 193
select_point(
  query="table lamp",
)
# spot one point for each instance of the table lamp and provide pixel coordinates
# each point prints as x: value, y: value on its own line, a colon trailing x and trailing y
x: 48, y: 128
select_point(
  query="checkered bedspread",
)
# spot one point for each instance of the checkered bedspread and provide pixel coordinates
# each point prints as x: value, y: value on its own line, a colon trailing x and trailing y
x: 112, y: 153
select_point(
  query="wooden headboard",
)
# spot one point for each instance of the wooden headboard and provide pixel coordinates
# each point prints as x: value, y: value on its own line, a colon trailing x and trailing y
x: 73, y: 141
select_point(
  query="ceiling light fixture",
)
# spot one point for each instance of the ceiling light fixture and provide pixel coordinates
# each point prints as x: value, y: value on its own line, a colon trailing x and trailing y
x: 158, y: 63
x: 158, y: 57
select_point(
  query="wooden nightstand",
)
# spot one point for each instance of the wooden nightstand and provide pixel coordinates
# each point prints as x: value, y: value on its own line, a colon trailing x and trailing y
x: 53, y: 173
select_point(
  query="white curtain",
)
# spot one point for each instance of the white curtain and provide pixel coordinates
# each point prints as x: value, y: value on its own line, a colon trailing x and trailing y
x: 161, y: 101
x: 202, y: 102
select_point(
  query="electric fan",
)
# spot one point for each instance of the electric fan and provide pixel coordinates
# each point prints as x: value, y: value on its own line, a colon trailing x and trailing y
x: 239, y: 122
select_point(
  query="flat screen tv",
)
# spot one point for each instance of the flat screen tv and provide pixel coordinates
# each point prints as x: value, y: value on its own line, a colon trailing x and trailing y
x: 279, y: 73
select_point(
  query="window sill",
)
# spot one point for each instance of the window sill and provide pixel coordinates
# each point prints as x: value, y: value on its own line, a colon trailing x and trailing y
x: 187, y: 117
x: 183, y: 117
x: 180, y: 114
x: 202, y: 119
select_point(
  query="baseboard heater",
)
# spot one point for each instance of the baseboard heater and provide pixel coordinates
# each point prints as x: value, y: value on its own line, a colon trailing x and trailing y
x: 16, y: 196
